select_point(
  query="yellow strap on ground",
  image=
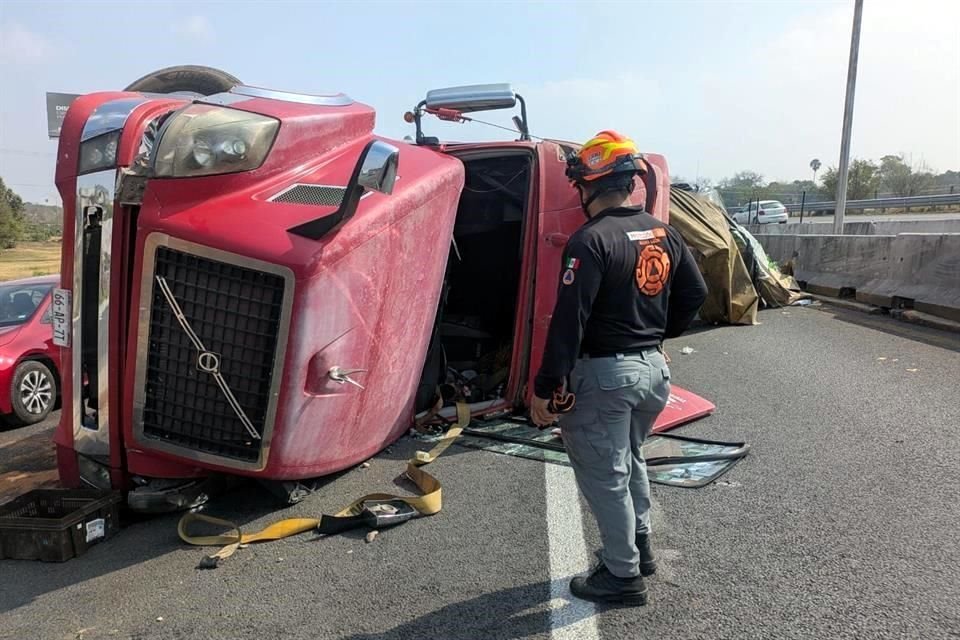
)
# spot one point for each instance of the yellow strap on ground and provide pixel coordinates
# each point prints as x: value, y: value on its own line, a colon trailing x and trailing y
x: 428, y: 503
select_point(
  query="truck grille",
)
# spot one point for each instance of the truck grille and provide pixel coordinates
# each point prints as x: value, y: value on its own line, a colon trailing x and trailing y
x: 236, y: 313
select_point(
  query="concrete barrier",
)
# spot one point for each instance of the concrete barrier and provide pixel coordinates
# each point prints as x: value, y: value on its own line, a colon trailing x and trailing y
x: 910, y: 270
x: 890, y: 227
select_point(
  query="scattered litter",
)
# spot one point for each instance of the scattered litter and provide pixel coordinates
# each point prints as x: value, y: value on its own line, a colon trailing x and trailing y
x: 881, y: 359
x: 365, y: 465
x: 786, y: 313
x: 806, y: 302
x: 349, y: 551
x: 159, y: 618
x: 913, y: 370
x: 372, y: 535
x: 726, y: 353
x: 279, y: 559
x: 687, y: 351
x: 895, y: 360
x: 727, y: 483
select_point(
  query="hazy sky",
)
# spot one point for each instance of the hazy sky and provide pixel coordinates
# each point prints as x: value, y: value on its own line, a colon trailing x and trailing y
x: 717, y: 87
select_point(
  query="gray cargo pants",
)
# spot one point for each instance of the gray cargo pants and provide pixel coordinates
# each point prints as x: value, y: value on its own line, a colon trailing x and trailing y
x: 618, y: 400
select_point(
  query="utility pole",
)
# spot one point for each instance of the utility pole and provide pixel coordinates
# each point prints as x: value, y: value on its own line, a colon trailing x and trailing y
x: 841, y: 209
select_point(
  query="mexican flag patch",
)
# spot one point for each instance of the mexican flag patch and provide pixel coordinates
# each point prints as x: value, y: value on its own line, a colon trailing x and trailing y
x: 573, y: 263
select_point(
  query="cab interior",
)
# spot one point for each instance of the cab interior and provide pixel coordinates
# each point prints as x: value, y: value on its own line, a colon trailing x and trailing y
x: 472, y: 345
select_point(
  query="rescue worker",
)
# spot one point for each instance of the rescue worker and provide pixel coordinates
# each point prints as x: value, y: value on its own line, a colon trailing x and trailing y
x: 627, y: 282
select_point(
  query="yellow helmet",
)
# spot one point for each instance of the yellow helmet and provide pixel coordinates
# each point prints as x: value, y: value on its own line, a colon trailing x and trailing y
x: 605, y: 154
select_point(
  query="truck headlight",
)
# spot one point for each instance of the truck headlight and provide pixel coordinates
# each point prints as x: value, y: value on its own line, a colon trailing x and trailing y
x: 206, y: 140
x: 99, y: 153
x: 93, y: 473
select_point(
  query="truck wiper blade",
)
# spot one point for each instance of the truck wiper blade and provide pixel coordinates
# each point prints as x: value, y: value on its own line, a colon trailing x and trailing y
x: 198, y: 345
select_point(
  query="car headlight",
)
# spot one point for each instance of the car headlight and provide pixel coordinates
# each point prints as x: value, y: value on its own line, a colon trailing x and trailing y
x: 99, y: 153
x: 206, y: 140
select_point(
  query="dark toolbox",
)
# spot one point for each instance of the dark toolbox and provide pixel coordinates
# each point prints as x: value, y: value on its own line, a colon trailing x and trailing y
x: 55, y: 525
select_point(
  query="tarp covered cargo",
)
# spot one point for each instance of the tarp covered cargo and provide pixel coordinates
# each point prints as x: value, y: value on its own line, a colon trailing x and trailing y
x: 738, y: 272
x: 775, y: 288
x: 731, y: 297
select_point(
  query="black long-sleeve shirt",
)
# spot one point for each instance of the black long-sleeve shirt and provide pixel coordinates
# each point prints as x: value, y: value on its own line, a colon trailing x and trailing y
x: 627, y: 282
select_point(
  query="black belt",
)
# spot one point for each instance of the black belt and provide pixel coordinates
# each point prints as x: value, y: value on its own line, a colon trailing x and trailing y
x: 589, y: 355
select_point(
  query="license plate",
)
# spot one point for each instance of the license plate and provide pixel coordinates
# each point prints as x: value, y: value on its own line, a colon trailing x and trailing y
x: 60, y: 310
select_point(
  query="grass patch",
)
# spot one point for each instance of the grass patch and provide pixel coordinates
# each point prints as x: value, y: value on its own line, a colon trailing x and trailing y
x: 29, y: 259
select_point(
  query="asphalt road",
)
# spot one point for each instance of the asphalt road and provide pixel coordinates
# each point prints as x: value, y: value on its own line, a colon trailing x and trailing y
x: 840, y: 524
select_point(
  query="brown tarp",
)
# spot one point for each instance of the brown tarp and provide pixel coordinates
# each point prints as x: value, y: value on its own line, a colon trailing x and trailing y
x: 731, y: 297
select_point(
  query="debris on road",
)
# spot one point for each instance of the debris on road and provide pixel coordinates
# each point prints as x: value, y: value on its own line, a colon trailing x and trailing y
x: 365, y: 465
x: 881, y: 359
x: 372, y: 536
x: 913, y: 370
x: 728, y: 483
x: 687, y: 351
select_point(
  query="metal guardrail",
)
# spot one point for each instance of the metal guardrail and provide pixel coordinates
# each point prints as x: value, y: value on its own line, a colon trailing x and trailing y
x: 881, y: 203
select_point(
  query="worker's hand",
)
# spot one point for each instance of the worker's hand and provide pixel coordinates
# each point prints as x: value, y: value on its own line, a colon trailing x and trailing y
x: 540, y: 414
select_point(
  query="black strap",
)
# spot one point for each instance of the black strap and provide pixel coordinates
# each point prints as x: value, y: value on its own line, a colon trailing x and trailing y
x: 650, y: 185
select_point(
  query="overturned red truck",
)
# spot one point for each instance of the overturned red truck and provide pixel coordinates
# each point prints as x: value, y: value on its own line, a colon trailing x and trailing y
x: 255, y: 284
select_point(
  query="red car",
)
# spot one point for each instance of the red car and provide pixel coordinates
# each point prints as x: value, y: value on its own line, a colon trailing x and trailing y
x: 256, y: 284
x: 29, y: 361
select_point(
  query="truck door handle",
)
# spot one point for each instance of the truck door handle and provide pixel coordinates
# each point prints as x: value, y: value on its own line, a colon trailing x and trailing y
x: 558, y: 239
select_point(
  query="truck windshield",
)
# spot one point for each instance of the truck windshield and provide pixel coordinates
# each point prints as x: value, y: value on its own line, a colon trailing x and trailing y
x: 18, y: 303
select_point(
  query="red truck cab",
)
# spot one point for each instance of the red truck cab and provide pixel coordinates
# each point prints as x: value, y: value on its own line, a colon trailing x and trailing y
x: 259, y: 285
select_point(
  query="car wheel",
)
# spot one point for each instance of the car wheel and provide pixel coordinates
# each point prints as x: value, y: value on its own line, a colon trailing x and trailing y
x: 33, y: 393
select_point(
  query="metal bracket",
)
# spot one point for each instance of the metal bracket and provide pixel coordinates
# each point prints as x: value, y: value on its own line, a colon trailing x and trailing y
x: 342, y: 376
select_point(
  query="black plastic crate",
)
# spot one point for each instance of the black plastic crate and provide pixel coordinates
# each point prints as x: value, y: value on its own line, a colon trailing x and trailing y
x: 55, y: 525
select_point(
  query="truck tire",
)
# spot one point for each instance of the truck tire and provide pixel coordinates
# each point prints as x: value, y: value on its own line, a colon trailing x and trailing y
x: 205, y: 81
x: 33, y: 393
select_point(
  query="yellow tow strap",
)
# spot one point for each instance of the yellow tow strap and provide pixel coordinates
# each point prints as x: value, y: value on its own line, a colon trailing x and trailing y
x: 427, y: 504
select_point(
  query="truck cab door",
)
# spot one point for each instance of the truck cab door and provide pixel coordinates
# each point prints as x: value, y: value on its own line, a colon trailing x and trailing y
x: 559, y: 216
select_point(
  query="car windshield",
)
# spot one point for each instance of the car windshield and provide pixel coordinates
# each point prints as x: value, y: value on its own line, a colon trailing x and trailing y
x: 18, y: 303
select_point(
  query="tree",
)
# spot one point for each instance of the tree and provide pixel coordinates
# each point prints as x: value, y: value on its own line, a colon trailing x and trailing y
x: 863, y: 179
x: 742, y: 181
x: 900, y: 179
x: 11, y: 217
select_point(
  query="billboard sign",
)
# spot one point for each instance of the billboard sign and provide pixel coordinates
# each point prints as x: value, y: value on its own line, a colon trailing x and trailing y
x: 57, y: 105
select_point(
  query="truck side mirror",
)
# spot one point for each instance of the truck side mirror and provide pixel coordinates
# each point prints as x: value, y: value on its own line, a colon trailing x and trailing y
x: 376, y: 170
x: 378, y: 167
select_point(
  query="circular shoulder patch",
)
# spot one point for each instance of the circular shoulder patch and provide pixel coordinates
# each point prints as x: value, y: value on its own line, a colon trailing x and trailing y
x: 569, y: 276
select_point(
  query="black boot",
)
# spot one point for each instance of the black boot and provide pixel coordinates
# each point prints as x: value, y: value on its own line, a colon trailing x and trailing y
x: 603, y: 586
x: 648, y: 566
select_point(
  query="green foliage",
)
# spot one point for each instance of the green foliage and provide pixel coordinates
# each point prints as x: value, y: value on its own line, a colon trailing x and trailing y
x: 11, y: 217
x: 863, y: 180
x: 891, y: 177
x: 902, y: 180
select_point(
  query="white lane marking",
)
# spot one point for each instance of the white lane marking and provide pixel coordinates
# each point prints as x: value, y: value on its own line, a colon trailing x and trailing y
x: 569, y: 617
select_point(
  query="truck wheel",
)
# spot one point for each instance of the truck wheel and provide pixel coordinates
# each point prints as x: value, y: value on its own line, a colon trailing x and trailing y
x: 33, y: 393
x: 205, y: 81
